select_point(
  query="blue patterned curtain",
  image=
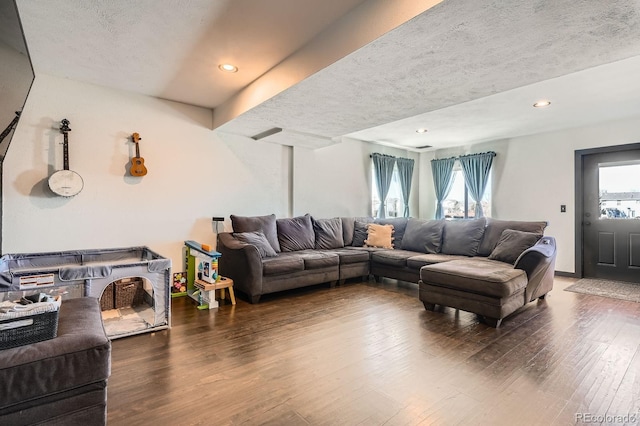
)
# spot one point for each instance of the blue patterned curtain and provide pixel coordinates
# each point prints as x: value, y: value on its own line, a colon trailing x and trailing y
x: 442, y: 171
x: 405, y: 173
x: 476, y: 168
x: 383, y: 171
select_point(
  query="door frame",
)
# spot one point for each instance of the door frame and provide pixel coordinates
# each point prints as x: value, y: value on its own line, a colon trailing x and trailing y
x: 579, y: 189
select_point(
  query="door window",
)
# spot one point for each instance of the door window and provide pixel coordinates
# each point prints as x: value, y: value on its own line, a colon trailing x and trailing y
x: 619, y: 189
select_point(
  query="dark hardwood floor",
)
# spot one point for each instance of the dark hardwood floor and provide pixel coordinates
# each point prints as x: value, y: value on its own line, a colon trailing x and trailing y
x: 370, y: 354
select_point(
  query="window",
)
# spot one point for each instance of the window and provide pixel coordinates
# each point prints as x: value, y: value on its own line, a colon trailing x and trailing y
x: 459, y: 204
x: 619, y: 190
x: 394, y: 205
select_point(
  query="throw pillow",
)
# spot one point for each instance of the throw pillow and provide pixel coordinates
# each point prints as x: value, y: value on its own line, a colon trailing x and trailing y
x: 258, y: 239
x: 494, y: 229
x: 379, y: 236
x: 399, y: 226
x: 266, y: 224
x: 348, y: 227
x: 296, y: 233
x: 328, y: 233
x: 511, y: 245
x: 462, y: 237
x: 359, y: 233
x: 423, y: 235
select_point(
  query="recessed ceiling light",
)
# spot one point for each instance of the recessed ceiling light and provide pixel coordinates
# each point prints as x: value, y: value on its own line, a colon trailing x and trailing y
x: 541, y: 104
x: 423, y: 130
x: 228, y: 68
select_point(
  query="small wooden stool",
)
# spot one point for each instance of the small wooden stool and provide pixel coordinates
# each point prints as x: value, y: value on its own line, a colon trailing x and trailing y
x: 210, y: 289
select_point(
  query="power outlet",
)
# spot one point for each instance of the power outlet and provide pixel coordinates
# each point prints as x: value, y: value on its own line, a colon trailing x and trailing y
x: 563, y: 208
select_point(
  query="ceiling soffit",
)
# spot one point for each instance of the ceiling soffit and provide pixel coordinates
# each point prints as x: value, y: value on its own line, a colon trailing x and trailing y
x: 456, y: 52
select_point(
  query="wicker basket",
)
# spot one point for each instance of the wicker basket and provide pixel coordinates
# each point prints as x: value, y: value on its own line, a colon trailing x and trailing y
x: 107, y: 299
x: 129, y: 293
x: 29, y: 329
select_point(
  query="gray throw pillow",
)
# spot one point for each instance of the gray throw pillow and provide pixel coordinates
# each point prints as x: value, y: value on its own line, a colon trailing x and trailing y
x: 266, y: 224
x: 462, y: 237
x: 348, y: 225
x: 399, y: 226
x: 423, y: 235
x: 494, y: 229
x: 328, y: 233
x: 360, y: 233
x: 258, y: 239
x: 296, y: 233
x: 512, y: 243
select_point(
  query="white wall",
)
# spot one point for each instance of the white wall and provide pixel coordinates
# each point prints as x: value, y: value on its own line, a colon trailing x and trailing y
x: 193, y: 173
x: 427, y: 196
x: 336, y: 180
x: 534, y: 175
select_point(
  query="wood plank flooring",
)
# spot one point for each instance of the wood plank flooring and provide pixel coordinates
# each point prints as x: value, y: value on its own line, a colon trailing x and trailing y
x: 368, y: 353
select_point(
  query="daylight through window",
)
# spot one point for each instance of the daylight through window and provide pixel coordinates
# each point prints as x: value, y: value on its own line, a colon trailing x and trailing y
x: 394, y: 204
x: 619, y: 191
x: 459, y: 204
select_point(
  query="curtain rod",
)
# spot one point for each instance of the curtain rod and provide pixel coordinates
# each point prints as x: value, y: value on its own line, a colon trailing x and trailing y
x: 467, y: 155
x: 387, y: 155
x: 455, y: 157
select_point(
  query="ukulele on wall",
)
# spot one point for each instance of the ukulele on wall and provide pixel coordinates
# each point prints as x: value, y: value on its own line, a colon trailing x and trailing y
x: 65, y: 183
x: 137, y: 162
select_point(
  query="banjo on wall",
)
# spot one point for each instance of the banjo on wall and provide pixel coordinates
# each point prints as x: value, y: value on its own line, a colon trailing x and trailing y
x: 66, y: 183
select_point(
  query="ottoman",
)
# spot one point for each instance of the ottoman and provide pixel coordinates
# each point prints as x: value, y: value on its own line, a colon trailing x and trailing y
x: 486, y: 287
x: 62, y: 380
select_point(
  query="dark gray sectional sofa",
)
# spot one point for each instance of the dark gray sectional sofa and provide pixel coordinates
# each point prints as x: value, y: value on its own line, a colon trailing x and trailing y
x: 486, y: 266
x: 61, y: 381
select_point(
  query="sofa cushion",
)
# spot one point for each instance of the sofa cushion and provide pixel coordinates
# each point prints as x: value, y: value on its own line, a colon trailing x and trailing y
x: 284, y: 263
x: 424, y: 236
x: 399, y: 227
x: 328, y: 233
x: 511, y: 245
x: 349, y: 256
x: 462, y: 237
x: 296, y: 233
x: 265, y: 224
x: 392, y: 257
x: 417, y: 262
x: 366, y: 249
x: 348, y: 227
x: 319, y: 259
x: 494, y: 229
x: 379, y: 236
x: 258, y: 239
x: 477, y: 275
x: 360, y: 233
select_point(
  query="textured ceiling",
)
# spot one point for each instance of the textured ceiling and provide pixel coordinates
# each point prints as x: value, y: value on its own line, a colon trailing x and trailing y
x: 457, y: 69
x: 468, y: 70
x: 171, y: 48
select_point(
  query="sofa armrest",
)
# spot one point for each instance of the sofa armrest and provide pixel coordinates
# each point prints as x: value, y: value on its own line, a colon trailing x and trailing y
x: 242, y: 263
x: 539, y: 264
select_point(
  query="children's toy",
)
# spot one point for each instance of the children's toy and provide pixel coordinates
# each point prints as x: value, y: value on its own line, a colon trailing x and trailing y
x: 202, y: 264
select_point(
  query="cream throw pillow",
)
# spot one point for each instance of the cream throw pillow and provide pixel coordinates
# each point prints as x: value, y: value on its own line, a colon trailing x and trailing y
x: 379, y: 236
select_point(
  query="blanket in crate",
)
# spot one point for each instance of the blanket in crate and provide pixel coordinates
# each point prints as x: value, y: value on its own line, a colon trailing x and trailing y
x: 12, y: 310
